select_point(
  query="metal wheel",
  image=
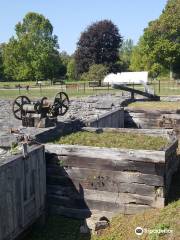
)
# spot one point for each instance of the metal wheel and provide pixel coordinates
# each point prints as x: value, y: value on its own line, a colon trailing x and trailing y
x: 17, y: 106
x: 61, y: 104
x: 39, y: 105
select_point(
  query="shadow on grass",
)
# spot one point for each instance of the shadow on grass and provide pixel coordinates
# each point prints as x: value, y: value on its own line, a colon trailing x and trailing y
x: 174, y: 193
x: 58, y: 228
x: 67, y: 209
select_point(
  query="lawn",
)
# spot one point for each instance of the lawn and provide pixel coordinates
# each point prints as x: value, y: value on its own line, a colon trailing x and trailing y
x: 8, y: 90
x: 114, y: 140
x: 121, y: 228
x: 166, y: 87
x: 13, y: 84
x: 50, y: 92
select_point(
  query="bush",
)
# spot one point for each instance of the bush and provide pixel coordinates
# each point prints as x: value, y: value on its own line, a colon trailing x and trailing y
x: 96, y: 72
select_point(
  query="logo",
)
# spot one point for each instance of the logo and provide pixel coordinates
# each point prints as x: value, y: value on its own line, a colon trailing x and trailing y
x: 139, y: 231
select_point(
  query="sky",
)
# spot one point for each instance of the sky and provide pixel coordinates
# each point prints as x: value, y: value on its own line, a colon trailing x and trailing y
x: 71, y: 17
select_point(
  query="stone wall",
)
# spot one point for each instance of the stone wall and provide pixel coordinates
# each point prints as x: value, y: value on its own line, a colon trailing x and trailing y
x: 22, y: 192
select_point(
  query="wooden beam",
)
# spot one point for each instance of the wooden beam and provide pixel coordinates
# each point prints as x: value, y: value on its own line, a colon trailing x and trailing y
x: 106, y: 153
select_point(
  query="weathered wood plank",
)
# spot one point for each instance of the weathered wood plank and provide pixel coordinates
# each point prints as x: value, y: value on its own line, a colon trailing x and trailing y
x: 111, y: 180
x: 106, y: 153
x: 79, y: 200
x: 95, y: 175
x: 73, y: 187
x: 150, y: 132
x: 149, y: 111
x: 171, y: 148
x: 116, y: 207
x: 17, y: 199
x: 86, y: 213
x: 152, y: 119
x: 55, y: 163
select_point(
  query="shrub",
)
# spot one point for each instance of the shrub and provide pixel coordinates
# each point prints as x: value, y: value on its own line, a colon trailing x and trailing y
x: 97, y: 72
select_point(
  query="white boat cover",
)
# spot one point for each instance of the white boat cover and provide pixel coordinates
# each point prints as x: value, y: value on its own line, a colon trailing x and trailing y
x: 127, y: 78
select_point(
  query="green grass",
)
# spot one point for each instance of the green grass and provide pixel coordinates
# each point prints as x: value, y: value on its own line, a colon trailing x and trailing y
x: 8, y: 90
x: 57, y: 228
x: 154, y: 105
x: 12, y: 84
x: 166, y: 88
x: 114, y: 140
x: 51, y: 92
x: 121, y: 228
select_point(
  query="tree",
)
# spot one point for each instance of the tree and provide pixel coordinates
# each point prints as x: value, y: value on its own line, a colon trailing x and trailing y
x: 125, y: 53
x: 139, y: 59
x: 1, y: 62
x: 32, y: 53
x: 71, y: 70
x: 161, y: 39
x: 98, y: 44
x: 96, y: 72
x: 159, y: 47
x: 65, y: 58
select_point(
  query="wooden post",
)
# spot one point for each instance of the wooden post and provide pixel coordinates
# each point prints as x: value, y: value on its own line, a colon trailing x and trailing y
x: 25, y: 150
x: 132, y: 95
x: 77, y: 87
x: 171, y: 72
x: 40, y: 88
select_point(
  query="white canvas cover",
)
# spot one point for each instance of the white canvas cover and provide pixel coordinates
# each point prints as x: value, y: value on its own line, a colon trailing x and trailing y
x: 127, y: 78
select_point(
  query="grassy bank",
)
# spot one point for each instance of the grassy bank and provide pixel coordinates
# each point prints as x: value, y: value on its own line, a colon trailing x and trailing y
x: 121, y: 227
x: 114, y: 140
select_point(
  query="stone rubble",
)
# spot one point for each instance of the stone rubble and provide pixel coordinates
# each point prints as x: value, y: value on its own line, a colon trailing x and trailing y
x: 83, y: 109
x: 90, y: 108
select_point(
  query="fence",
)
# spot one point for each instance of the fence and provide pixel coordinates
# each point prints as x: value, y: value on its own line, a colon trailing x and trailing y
x: 161, y: 87
x: 72, y: 89
x: 166, y: 87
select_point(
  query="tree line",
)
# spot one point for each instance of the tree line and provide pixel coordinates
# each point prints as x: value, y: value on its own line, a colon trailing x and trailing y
x: 33, y: 53
x: 158, y: 50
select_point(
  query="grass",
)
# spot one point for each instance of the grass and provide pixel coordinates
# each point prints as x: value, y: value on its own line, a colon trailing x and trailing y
x: 154, y: 105
x: 166, y: 87
x: 51, y: 92
x: 57, y: 228
x: 121, y: 228
x: 12, y: 84
x: 114, y: 140
x: 8, y: 90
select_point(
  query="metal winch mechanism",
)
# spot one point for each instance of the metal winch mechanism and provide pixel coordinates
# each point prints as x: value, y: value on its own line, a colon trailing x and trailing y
x: 40, y: 113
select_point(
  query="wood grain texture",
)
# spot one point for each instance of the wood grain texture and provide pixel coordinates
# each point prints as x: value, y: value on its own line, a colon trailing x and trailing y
x: 95, y: 175
x: 107, y: 153
x: 111, y: 180
x: 22, y: 184
x: 104, y: 164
